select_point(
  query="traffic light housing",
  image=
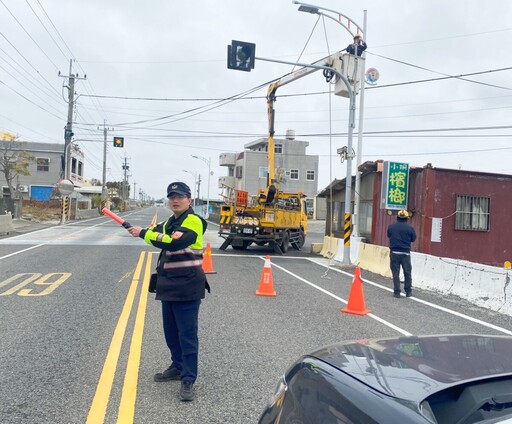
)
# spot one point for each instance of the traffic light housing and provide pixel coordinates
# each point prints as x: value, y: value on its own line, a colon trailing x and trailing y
x: 241, y: 55
x: 118, y: 141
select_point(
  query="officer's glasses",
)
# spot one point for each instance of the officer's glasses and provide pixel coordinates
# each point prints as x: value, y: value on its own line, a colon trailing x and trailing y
x: 176, y: 197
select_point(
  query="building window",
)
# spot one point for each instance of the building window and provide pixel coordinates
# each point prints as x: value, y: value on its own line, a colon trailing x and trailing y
x: 239, y: 171
x: 472, y: 213
x: 294, y: 174
x: 278, y: 148
x: 263, y: 172
x: 43, y: 164
x: 231, y: 171
x: 310, y: 175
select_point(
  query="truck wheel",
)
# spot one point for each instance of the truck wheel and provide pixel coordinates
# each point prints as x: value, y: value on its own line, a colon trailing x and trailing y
x: 285, y: 242
x: 301, y: 239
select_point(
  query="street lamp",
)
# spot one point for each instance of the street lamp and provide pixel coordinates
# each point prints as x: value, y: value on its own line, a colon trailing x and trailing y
x: 208, y: 162
x: 308, y: 8
x: 194, y: 174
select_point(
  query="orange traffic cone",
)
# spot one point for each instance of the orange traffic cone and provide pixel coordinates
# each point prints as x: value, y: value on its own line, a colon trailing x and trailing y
x: 207, y: 261
x: 356, y: 298
x: 266, y: 287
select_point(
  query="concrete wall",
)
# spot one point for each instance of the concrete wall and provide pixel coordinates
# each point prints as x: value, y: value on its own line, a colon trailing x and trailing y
x: 482, y: 285
x: 485, y: 286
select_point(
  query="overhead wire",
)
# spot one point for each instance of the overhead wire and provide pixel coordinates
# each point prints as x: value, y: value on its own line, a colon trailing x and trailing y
x: 28, y: 34
x: 44, y: 26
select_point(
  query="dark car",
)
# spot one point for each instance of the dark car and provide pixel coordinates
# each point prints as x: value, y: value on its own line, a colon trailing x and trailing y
x: 455, y: 379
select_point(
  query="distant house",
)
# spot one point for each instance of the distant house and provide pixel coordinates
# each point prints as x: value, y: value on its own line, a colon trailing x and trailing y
x: 46, y: 170
x: 248, y: 170
x: 456, y: 213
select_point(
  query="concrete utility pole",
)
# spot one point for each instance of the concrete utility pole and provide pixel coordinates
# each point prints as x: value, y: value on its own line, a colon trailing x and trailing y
x: 208, y: 161
x: 104, y: 192
x: 68, y: 130
x: 198, y: 186
x: 125, y: 179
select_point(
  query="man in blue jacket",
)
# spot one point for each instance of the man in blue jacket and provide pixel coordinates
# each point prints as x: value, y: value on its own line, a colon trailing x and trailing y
x: 358, y: 47
x: 180, y: 285
x: 401, y: 235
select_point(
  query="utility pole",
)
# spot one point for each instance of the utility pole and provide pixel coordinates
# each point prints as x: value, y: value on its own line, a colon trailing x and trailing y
x: 104, y: 192
x: 125, y: 180
x: 68, y: 130
x: 134, y: 190
x: 198, y: 186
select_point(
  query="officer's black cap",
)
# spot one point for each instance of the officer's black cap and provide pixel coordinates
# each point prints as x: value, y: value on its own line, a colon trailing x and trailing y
x: 179, y: 188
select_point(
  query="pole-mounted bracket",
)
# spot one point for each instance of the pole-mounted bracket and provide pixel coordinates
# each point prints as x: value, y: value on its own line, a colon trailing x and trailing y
x: 344, y: 155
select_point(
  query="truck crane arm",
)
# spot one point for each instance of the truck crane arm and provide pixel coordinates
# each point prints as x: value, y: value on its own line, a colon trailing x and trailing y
x: 271, y: 98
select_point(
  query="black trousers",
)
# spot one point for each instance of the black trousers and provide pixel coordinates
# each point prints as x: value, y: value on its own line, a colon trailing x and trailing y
x: 404, y: 261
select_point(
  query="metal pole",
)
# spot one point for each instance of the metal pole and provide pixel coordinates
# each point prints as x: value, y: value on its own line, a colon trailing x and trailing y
x: 207, y: 214
x: 357, y: 194
x: 348, y: 178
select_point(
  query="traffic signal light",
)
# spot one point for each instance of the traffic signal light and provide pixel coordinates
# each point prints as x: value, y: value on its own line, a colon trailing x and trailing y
x: 118, y: 141
x: 241, y: 55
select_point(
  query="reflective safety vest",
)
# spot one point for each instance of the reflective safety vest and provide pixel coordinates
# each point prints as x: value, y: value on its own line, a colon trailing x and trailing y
x: 180, y: 273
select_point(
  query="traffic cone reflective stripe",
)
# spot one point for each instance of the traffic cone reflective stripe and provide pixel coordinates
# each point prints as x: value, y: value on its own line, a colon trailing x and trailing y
x: 207, y: 261
x: 266, y: 287
x: 356, y: 298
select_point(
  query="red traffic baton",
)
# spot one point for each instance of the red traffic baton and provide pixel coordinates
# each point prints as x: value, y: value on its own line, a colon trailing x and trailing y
x: 116, y: 218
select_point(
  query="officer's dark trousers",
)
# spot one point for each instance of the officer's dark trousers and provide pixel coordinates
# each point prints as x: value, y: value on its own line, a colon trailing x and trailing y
x: 404, y: 261
x: 180, y: 330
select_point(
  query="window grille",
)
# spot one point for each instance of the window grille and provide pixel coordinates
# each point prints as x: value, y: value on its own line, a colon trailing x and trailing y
x: 472, y: 213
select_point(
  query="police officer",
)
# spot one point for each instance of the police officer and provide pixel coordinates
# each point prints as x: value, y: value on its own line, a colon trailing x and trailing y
x: 180, y: 284
x: 401, y: 235
x: 358, y: 47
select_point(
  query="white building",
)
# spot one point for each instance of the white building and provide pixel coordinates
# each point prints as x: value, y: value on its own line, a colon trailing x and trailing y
x: 248, y: 170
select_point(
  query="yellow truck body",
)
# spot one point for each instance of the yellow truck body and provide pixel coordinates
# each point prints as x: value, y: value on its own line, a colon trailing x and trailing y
x: 279, y: 223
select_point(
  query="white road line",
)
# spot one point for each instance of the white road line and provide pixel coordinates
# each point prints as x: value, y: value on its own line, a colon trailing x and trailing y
x: 375, y: 317
x: 49, y: 242
x: 20, y: 251
x: 432, y: 305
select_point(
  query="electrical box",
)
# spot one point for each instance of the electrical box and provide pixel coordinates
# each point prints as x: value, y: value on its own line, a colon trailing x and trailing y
x: 352, y: 67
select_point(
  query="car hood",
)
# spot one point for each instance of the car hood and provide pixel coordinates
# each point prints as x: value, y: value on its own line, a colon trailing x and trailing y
x: 412, y: 368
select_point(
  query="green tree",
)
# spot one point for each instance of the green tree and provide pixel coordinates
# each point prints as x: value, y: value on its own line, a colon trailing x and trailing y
x: 14, y: 161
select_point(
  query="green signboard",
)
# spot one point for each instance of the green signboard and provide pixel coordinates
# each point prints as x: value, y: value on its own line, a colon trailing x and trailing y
x: 395, y: 185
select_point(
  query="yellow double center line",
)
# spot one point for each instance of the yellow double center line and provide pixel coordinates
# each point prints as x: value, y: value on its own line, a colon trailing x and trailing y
x: 99, y: 405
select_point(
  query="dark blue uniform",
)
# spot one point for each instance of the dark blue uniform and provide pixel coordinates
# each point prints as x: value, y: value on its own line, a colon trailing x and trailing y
x: 360, y: 48
x: 401, y: 235
x: 180, y: 286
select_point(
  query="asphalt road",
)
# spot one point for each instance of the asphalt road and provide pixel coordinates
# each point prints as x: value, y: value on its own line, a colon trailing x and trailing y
x: 80, y: 337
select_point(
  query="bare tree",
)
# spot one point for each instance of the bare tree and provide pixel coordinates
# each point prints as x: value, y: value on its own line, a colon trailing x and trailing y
x: 14, y: 161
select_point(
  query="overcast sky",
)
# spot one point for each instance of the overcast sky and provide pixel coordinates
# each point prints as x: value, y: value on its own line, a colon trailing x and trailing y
x: 159, y: 70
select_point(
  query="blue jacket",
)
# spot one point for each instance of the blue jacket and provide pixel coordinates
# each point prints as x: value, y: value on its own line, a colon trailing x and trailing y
x: 360, y: 48
x: 401, y: 235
